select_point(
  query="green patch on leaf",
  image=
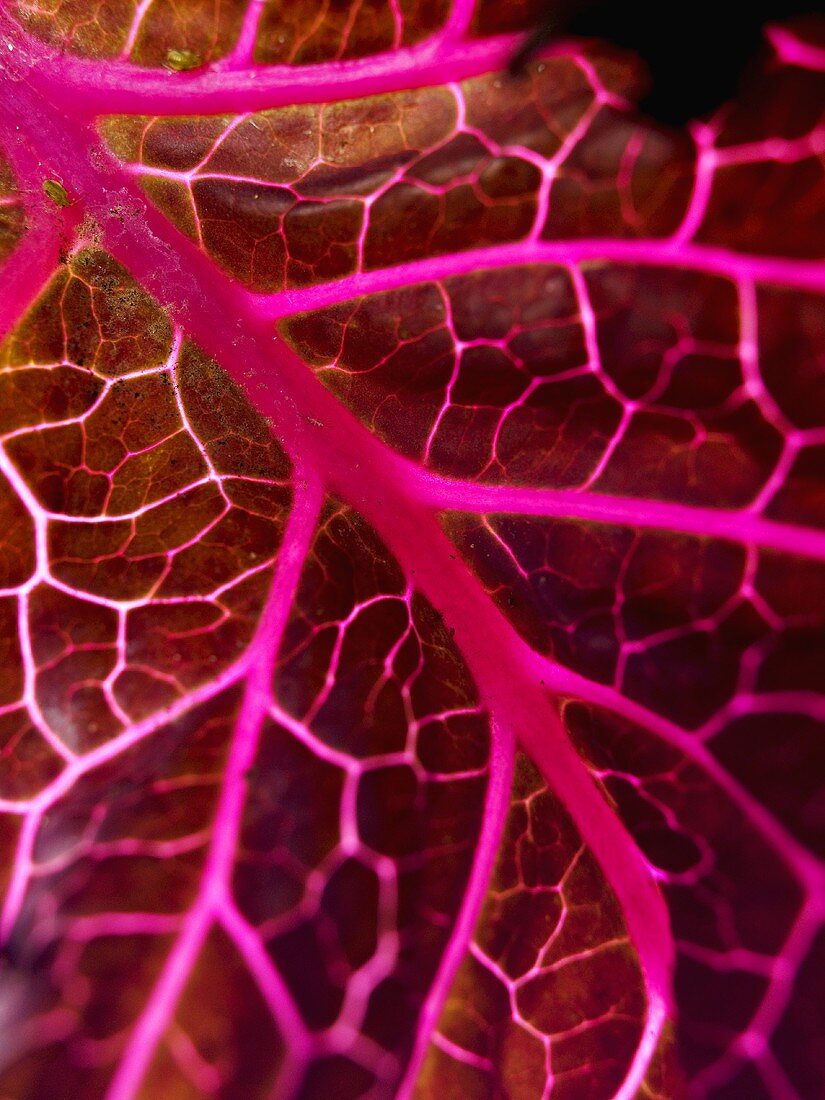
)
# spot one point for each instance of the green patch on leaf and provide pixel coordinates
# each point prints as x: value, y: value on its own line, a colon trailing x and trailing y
x: 181, y: 61
x: 56, y: 192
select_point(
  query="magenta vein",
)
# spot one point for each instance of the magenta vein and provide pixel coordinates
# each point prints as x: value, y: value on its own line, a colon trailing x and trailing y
x: 33, y: 809
x: 461, y: 1055
x: 275, y: 993
x: 243, y: 51
x: 753, y: 1046
x: 627, y: 872
x: 282, y: 388
x: 554, y: 756
x: 214, y: 889
x: 458, y: 23
x: 25, y: 272
x: 137, y: 20
x: 565, y: 682
x: 792, y: 51
x: 495, y: 812
x: 773, y: 1006
x: 120, y: 87
x: 645, y: 1051
x: 137, y: 732
x: 667, y: 252
x: 735, y: 525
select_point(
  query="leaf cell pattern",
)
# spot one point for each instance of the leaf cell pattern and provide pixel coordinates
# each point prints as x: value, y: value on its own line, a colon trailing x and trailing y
x: 146, y: 502
x: 738, y: 1002
x: 528, y: 376
x: 476, y: 411
x: 294, y: 197
x: 269, y: 32
x: 154, y: 520
x: 549, y: 997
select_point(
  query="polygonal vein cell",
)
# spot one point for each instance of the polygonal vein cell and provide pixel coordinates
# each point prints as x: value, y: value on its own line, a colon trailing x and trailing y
x: 637, y: 382
x: 365, y: 804
x: 707, y: 653
x: 696, y: 629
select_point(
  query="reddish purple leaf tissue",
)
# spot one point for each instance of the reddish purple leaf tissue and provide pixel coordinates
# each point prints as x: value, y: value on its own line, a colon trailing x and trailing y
x: 412, y: 562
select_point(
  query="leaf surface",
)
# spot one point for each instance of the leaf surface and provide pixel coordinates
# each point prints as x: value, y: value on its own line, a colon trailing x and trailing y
x: 411, y: 570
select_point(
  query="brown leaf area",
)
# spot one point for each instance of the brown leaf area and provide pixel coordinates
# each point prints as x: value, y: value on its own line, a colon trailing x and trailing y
x: 710, y: 653
x: 86, y: 947
x: 305, y: 194
x: 205, y: 31
x: 631, y: 381
x: 680, y: 624
x: 492, y: 17
x: 145, y: 34
x: 307, y: 33
x: 550, y: 992
x: 402, y: 745
x: 735, y: 904
x: 631, y: 377
x: 164, y: 513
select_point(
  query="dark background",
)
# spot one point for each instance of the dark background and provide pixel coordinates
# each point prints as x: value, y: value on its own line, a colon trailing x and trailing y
x: 696, y: 53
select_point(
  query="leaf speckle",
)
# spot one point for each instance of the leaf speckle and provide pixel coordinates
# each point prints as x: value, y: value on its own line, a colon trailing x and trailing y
x: 56, y: 192
x: 182, y: 61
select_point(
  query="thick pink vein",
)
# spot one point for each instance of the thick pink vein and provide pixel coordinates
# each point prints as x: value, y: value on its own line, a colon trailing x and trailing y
x: 120, y: 86
x: 807, y: 275
x: 740, y: 525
